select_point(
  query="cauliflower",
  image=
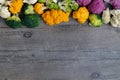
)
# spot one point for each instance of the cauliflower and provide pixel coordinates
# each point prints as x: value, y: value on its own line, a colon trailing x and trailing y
x: 30, y: 1
x: 97, y: 6
x: 68, y: 5
x: 41, y: 1
x: 5, y: 2
x: 115, y: 19
x: 2, y: 1
x: 0, y: 7
x: 84, y: 2
x: 81, y: 15
x: 114, y: 12
x: 115, y: 4
x: 106, y: 16
x: 15, y: 6
x: 53, y: 17
x: 95, y: 20
x: 4, y: 12
x: 39, y: 8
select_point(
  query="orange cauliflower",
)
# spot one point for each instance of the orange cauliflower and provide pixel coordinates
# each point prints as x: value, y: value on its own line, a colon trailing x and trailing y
x: 39, y: 8
x: 81, y: 15
x: 53, y: 17
x: 15, y: 6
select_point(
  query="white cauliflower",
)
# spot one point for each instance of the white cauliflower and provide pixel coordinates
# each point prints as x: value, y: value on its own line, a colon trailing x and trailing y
x: 0, y: 7
x: 106, y: 16
x: 30, y: 1
x: 115, y: 20
x: 55, y: 1
x: 2, y: 1
x: 114, y: 12
x: 4, y: 12
x: 8, y: 2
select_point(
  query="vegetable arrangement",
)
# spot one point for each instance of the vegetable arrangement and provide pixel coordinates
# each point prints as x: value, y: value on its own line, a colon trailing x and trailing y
x: 19, y: 13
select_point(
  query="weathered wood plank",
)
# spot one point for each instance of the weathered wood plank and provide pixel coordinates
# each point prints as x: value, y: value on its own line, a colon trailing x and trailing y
x: 66, y: 52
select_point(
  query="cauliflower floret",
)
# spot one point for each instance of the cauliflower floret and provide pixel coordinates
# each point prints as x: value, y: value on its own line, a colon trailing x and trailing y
x: 55, y: 1
x: 106, y: 16
x: 114, y: 12
x: 2, y: 1
x: 8, y: 2
x: 0, y: 7
x: 115, y: 21
x: 4, y: 12
x: 30, y: 1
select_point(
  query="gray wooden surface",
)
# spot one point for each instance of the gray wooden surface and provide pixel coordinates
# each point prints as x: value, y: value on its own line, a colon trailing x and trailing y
x: 69, y: 51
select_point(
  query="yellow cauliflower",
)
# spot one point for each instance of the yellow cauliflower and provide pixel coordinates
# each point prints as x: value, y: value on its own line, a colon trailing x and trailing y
x: 81, y: 15
x: 53, y: 17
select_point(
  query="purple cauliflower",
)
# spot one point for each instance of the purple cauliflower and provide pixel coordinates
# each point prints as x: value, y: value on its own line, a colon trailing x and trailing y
x: 83, y: 2
x: 97, y: 6
x: 115, y: 4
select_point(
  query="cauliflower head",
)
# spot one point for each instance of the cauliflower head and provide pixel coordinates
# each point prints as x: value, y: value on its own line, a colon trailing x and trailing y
x: 4, y: 12
x: 30, y: 1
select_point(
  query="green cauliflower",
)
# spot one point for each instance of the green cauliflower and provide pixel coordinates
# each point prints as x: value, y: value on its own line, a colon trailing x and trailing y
x: 53, y: 6
x: 27, y: 9
x: 42, y: 1
x: 74, y: 5
x: 31, y: 20
x: 95, y: 20
x: 68, y: 5
x: 14, y: 22
x: 51, y: 1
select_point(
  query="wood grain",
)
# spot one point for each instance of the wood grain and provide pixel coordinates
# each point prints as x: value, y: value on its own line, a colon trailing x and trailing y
x: 69, y: 51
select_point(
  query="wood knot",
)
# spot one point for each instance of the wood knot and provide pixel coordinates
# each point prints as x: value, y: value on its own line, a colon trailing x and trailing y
x: 27, y: 34
x: 95, y: 75
x: 5, y: 79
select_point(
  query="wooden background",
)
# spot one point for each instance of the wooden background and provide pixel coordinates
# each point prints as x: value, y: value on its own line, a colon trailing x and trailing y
x: 69, y: 51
